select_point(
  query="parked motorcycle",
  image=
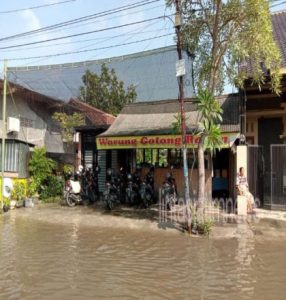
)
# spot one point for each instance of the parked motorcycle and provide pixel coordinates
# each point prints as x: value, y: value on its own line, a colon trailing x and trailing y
x: 169, y: 191
x: 147, y: 189
x: 132, y: 189
x: 112, y: 192
x: 89, y: 181
x: 73, y: 191
x: 80, y: 187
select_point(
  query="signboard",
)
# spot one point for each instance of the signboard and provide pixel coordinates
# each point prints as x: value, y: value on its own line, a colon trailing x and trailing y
x: 156, y: 141
x: 180, y: 68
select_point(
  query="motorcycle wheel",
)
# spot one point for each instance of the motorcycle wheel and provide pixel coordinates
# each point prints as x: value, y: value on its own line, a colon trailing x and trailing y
x: 132, y: 199
x: 148, y: 199
x: 108, y: 203
x: 69, y: 201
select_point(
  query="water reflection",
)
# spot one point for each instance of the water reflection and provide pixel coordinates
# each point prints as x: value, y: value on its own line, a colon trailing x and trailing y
x: 245, y: 254
x: 45, y: 261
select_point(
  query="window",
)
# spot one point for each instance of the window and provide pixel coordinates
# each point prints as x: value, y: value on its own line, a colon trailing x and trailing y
x: 156, y: 157
x: 163, y: 158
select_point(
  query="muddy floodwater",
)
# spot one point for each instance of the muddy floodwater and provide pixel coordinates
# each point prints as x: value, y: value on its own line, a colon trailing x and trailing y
x: 48, y: 258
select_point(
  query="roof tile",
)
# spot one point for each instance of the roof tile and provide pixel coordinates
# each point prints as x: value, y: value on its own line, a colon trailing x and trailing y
x: 95, y: 115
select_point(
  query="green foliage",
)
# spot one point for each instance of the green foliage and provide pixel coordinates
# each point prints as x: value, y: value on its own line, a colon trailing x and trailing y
x: 205, y: 226
x: 54, y: 199
x: 225, y: 35
x: 68, y: 169
x: 52, y: 188
x: 33, y: 186
x: 6, y: 201
x: 177, y: 124
x: 105, y: 91
x: 68, y: 123
x: 200, y: 223
x: 209, y: 123
x: 18, y: 192
x: 41, y: 168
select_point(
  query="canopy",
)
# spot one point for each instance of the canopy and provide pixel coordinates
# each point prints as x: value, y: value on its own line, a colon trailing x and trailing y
x: 150, y: 125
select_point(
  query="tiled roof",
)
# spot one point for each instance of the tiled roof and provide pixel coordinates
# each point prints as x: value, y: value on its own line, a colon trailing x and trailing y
x: 279, y: 33
x: 151, y: 72
x: 149, y: 118
x: 94, y: 115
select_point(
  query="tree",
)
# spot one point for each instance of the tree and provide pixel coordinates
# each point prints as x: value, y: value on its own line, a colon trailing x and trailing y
x: 68, y: 123
x: 225, y: 36
x: 106, y: 91
x: 40, y: 168
x: 209, y: 132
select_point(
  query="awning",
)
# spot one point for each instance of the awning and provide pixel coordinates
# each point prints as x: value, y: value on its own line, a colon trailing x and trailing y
x: 150, y: 125
x: 157, y: 141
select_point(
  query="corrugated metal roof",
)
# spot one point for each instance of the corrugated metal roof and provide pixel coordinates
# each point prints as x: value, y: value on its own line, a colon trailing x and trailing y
x: 152, y: 118
x: 152, y: 72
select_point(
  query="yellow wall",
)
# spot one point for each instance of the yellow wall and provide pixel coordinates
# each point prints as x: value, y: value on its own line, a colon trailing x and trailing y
x: 23, y: 180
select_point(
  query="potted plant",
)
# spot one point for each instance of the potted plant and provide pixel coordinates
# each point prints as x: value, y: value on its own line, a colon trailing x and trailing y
x: 6, y: 204
x: 33, y: 186
x: 18, y: 194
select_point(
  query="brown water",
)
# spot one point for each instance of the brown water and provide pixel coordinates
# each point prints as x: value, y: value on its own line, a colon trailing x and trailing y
x: 45, y: 261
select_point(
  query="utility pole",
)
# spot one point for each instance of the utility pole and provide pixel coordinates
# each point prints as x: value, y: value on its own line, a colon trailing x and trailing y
x: 178, y: 25
x: 3, y: 132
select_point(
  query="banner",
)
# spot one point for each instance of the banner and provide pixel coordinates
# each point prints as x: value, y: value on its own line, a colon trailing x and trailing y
x: 156, y: 141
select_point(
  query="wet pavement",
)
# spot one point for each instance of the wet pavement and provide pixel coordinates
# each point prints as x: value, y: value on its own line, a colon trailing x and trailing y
x: 54, y: 252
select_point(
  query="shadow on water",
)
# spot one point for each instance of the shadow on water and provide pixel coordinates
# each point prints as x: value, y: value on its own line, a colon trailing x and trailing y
x: 150, y: 214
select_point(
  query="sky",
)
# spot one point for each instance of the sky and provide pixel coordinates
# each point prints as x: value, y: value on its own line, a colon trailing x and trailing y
x: 24, y: 20
x: 33, y: 19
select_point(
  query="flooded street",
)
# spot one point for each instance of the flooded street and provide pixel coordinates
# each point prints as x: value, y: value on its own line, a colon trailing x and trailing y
x: 69, y: 260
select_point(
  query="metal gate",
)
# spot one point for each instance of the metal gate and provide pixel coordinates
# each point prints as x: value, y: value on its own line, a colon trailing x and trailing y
x: 256, y: 172
x: 266, y: 172
x: 278, y: 176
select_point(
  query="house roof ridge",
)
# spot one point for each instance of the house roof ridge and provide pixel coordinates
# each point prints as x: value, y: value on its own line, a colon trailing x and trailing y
x: 91, y: 107
x: 279, y: 12
x: 164, y: 102
x: 96, y: 61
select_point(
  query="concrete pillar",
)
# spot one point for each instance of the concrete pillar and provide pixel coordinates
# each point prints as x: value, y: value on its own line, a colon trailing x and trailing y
x: 241, y: 158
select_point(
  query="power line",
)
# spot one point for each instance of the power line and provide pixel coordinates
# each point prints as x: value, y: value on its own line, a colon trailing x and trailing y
x: 277, y: 4
x: 84, y: 33
x: 89, y: 50
x: 103, y: 39
x: 35, y: 7
x: 91, y: 22
x: 81, y: 19
x: 131, y: 32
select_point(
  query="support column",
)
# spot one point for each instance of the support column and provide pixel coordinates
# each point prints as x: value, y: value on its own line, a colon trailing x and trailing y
x: 241, y: 158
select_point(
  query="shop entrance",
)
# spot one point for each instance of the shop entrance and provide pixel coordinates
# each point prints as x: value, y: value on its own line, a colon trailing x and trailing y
x: 221, y: 172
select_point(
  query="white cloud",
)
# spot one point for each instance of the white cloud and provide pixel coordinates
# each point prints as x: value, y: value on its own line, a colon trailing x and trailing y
x: 32, y: 21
